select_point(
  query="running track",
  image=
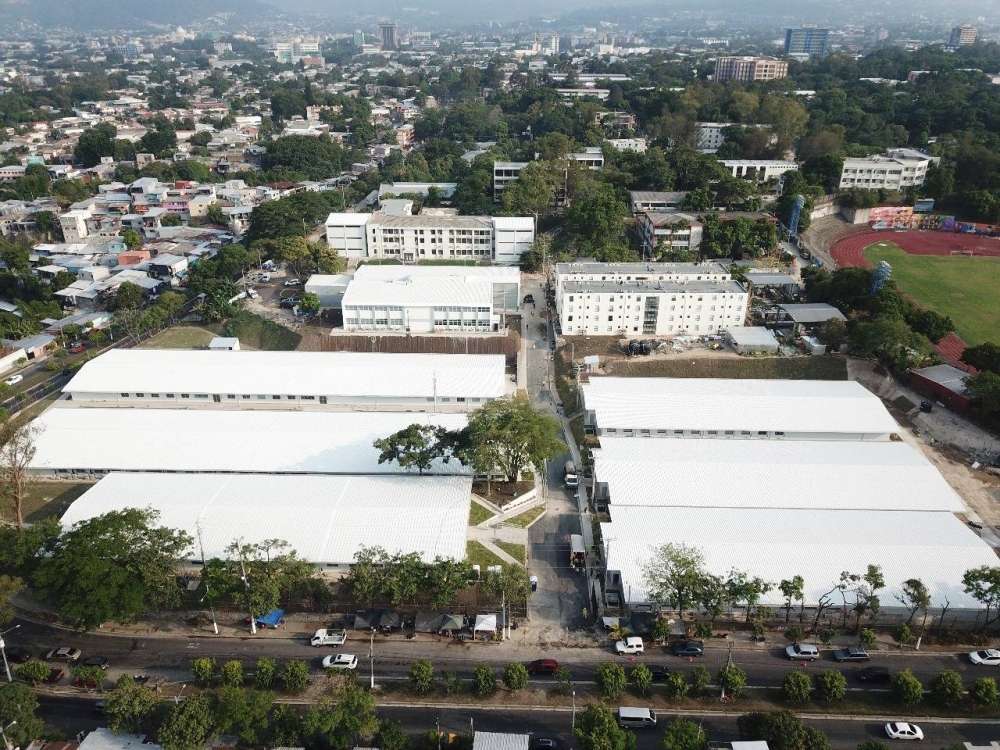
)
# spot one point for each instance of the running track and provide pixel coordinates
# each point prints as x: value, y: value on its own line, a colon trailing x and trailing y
x: 850, y: 252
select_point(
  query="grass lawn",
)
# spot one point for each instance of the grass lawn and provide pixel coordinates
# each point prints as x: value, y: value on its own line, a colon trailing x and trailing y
x: 45, y: 499
x: 259, y: 333
x: 963, y: 288
x: 477, y: 554
x: 523, y: 519
x: 179, y: 337
x: 517, y: 551
x: 783, y: 368
x: 478, y: 514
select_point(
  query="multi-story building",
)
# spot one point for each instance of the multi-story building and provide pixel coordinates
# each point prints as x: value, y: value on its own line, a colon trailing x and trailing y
x: 662, y: 299
x: 506, y: 172
x: 806, y: 41
x: 898, y: 169
x: 74, y: 225
x: 747, y: 69
x: 654, y: 200
x: 964, y: 35
x: 292, y: 50
x: 409, y: 239
x: 709, y: 136
x: 676, y: 231
x: 758, y: 170
x: 389, y: 34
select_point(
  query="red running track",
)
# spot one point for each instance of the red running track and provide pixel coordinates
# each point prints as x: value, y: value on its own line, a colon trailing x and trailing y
x: 850, y: 252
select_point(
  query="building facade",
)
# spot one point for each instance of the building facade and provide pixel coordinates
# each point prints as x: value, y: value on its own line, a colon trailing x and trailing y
x: 758, y: 170
x: 806, y: 41
x: 964, y: 35
x: 669, y: 229
x: 748, y: 69
x: 897, y: 169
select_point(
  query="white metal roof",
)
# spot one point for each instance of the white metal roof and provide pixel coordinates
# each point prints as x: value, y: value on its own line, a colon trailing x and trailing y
x: 334, y: 374
x: 498, y: 741
x: 347, y: 219
x: 819, y: 545
x: 419, y: 292
x: 751, y: 335
x: 325, y: 519
x: 804, y: 406
x: 103, y: 738
x: 524, y: 223
x: 255, y: 441
x: 725, y: 473
x: 476, y: 273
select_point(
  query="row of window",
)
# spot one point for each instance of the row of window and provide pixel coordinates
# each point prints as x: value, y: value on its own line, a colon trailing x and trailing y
x: 261, y: 397
x: 630, y: 432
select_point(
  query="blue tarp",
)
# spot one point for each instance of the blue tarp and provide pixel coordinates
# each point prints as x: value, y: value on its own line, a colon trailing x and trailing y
x: 272, y: 619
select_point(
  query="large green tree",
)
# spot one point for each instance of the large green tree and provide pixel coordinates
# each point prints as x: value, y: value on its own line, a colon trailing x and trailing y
x: 684, y: 734
x: 596, y: 729
x: 596, y: 215
x: 274, y: 572
x: 418, y: 445
x: 190, y: 724
x: 18, y: 704
x: 782, y: 730
x: 674, y: 574
x: 129, y: 705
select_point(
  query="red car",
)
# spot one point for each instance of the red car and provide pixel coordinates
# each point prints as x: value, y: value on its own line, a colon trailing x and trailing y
x: 543, y: 666
x: 78, y: 347
x: 89, y: 684
x: 55, y: 675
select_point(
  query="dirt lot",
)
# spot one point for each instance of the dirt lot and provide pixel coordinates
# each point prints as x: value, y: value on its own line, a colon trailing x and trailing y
x: 51, y: 498
x: 708, y: 364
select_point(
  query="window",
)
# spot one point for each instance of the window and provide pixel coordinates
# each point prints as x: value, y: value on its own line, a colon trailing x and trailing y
x: 185, y: 395
x: 140, y: 395
x: 201, y: 395
x: 762, y: 432
x: 170, y: 395
x: 154, y: 395
x: 231, y: 396
x: 276, y: 398
x: 290, y: 398
x: 124, y: 395
x: 730, y: 432
x: 308, y: 398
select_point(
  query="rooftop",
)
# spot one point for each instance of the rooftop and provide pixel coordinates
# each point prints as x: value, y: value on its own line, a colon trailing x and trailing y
x: 751, y: 335
x: 423, y: 221
x: 646, y: 287
x: 640, y: 269
x: 812, y: 312
x: 421, y: 292
x: 471, y: 273
x: 945, y: 375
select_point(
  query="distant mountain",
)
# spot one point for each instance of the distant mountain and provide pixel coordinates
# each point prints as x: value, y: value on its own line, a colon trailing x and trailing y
x: 114, y: 14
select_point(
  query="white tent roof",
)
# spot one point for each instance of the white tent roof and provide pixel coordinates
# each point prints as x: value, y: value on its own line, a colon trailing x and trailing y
x: 777, y: 544
x: 209, y: 440
x: 326, y: 519
x: 843, y: 474
x: 335, y: 374
x: 820, y: 406
x: 485, y: 622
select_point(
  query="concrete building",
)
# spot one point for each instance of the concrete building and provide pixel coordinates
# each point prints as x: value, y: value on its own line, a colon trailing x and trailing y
x: 661, y: 299
x: 758, y: 170
x: 964, y: 35
x: 650, y: 200
x: 504, y: 173
x: 943, y: 383
x: 345, y: 233
x: 670, y: 230
x: 389, y: 35
x: 749, y: 69
x: 74, y: 225
x: 329, y: 288
x: 806, y: 41
x: 897, y: 169
x: 752, y: 340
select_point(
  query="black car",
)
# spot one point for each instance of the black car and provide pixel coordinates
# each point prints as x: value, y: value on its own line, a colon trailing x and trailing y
x: 529, y: 299
x: 97, y: 661
x: 659, y: 672
x: 873, y: 674
x: 688, y: 648
x: 18, y: 655
x: 854, y: 653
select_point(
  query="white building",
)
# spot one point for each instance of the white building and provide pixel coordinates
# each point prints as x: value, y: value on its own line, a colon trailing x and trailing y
x: 74, y: 225
x: 254, y: 379
x: 735, y: 409
x: 346, y: 233
x: 709, y: 136
x: 504, y: 173
x: 661, y: 299
x: 325, y: 519
x: 635, y: 145
x: 329, y: 288
x: 758, y: 170
x: 898, y: 169
x: 512, y: 235
x: 655, y: 200
x: 670, y: 229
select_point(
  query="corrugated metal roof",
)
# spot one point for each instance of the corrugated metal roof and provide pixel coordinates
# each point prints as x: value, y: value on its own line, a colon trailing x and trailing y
x: 819, y: 545
x: 804, y: 406
x: 261, y: 441
x: 325, y: 519
x: 333, y: 374
x: 497, y: 741
x: 813, y: 312
x: 514, y: 222
x: 493, y: 273
x: 421, y: 292
x: 751, y: 335
x: 723, y: 473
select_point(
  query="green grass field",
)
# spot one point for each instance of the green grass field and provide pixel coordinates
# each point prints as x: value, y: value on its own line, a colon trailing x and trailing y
x: 963, y: 288
x: 179, y: 337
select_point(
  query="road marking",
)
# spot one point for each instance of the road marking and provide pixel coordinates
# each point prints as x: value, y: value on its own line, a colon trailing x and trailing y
x: 192, y: 645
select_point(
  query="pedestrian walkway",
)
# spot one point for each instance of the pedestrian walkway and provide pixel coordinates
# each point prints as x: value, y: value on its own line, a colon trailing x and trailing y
x: 486, y: 536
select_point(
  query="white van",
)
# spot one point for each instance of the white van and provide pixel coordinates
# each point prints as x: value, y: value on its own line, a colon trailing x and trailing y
x: 636, y: 718
x: 631, y: 645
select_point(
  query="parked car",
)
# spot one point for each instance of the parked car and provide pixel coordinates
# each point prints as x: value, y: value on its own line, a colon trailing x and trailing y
x: 326, y: 637
x: 99, y: 707
x: 874, y: 674
x: 340, y: 661
x: 63, y: 653
x: 989, y: 657
x: 78, y: 347
x: 658, y: 671
x: 901, y: 730
x: 288, y: 303
x: 18, y: 655
x: 55, y: 675
x: 98, y: 661
x: 631, y: 645
x: 265, y: 277
x: 543, y: 666
x: 855, y: 653
x: 544, y: 743
x: 292, y: 282
x: 688, y: 648
x: 529, y: 299
x: 88, y: 684
x: 14, y: 379
x: 802, y: 652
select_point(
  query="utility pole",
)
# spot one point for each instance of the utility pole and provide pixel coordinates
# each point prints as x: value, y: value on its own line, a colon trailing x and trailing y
x: 573, y: 725
x: 208, y: 594
x: 3, y: 651
x: 6, y: 742
x: 246, y: 587
x: 371, y: 658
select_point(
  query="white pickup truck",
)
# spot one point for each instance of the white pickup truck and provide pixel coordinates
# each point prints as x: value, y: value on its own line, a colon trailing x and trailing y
x: 329, y: 638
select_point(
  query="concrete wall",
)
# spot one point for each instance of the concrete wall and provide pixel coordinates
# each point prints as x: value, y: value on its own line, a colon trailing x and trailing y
x: 855, y: 215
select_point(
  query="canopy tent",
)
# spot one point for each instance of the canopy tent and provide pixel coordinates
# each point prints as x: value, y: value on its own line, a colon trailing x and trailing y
x: 453, y: 622
x: 391, y: 620
x: 428, y: 622
x: 367, y: 620
x: 485, y: 623
x: 272, y: 619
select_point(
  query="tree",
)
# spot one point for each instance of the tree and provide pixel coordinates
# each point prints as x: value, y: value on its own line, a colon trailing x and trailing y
x: 903, y: 634
x: 274, y: 570
x: 113, y: 567
x: 931, y: 324
x: 596, y: 729
x: 295, y: 676
x: 597, y: 214
x: 391, y: 736
x: 674, y: 574
x: 189, y: 725
x: 793, y: 590
x: 244, y: 713
x: 684, y: 734
x: 171, y: 220
x: 796, y: 687
x: 741, y: 587
x: 833, y: 333
x: 484, y: 681
x: 509, y: 436
x: 309, y: 303
x: 265, y: 672
x: 132, y: 239
x: 985, y: 388
x: 676, y: 685
x: 95, y: 143
x: 983, y: 585
x: 215, y: 216
x: 337, y: 720
x: 876, y: 745
x: 732, y: 679
x: 985, y: 356
x: 129, y: 704
x: 641, y: 678
x: 128, y: 296
x: 867, y: 637
x: 33, y: 671
x: 18, y: 704
x: 232, y: 673
x: 515, y: 676
x: 419, y: 445
x: 701, y: 678
x: 422, y: 676
x: 831, y: 685
x: 782, y: 730
x: 530, y: 195
x: 907, y: 688
x: 610, y: 678
x: 984, y: 692
x: 947, y: 689
x: 16, y: 454
x: 915, y: 597
x: 204, y: 668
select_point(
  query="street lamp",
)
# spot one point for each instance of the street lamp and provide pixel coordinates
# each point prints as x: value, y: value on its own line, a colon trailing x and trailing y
x: 6, y: 742
x: 573, y: 724
x: 371, y: 658
x: 3, y: 651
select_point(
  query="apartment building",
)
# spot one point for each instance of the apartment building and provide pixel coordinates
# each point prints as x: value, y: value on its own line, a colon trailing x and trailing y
x: 506, y: 172
x: 897, y: 169
x: 806, y: 41
x: 964, y: 35
x: 758, y: 170
x: 748, y: 69
x: 668, y: 229
x: 709, y: 136
x: 661, y: 299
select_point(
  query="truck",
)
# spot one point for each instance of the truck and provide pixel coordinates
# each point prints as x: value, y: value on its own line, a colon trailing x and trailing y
x: 570, y: 477
x: 577, y: 552
x: 324, y: 637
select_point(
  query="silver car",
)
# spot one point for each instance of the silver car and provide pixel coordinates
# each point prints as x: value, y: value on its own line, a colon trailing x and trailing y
x: 802, y: 652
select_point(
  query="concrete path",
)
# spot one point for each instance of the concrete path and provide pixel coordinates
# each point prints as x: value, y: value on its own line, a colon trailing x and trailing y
x: 486, y: 536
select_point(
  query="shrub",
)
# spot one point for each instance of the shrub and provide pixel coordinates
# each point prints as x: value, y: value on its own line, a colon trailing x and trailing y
x: 795, y: 633
x: 701, y: 678
x: 232, y: 673
x: 947, y: 689
x: 903, y: 634
x: 641, y: 678
x: 484, y: 681
x: 983, y: 691
x: 831, y: 685
x: 866, y: 637
x: 827, y: 635
x: 796, y: 687
x: 515, y: 676
x: 676, y: 685
x: 451, y: 682
x: 264, y: 672
x: 422, y: 676
x: 703, y: 630
x: 873, y: 745
x: 295, y: 676
x: 564, y: 680
x: 203, y: 669
x: 610, y: 679
x: 907, y: 688
x: 660, y: 629
x: 733, y: 680
x: 33, y: 671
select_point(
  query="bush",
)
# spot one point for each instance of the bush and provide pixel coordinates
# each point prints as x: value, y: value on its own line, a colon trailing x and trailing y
x: 564, y: 680
x: 703, y: 630
x: 264, y: 672
x: 903, y: 634
x: 676, y: 685
x: 795, y: 633
x: 866, y: 637
x: 733, y: 680
x: 873, y: 745
x: 295, y: 676
x: 33, y: 671
x: 827, y: 635
x: 422, y: 676
x: 232, y: 673
x: 907, y: 688
x: 203, y: 669
x: 947, y: 689
x: 641, y: 678
x: 515, y: 676
x: 451, y: 682
x: 660, y: 629
x: 610, y: 678
x: 701, y: 678
x: 831, y: 685
x: 796, y: 687
x: 983, y: 691
x: 484, y: 681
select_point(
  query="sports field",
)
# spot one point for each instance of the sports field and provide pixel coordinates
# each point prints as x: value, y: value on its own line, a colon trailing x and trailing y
x: 966, y: 289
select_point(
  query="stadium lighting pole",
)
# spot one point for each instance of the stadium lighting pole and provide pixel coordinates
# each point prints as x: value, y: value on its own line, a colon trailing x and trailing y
x: 3, y: 651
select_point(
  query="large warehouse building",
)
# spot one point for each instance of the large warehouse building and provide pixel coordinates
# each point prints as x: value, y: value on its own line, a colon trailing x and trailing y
x: 326, y: 519
x: 420, y: 382
x: 87, y: 443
